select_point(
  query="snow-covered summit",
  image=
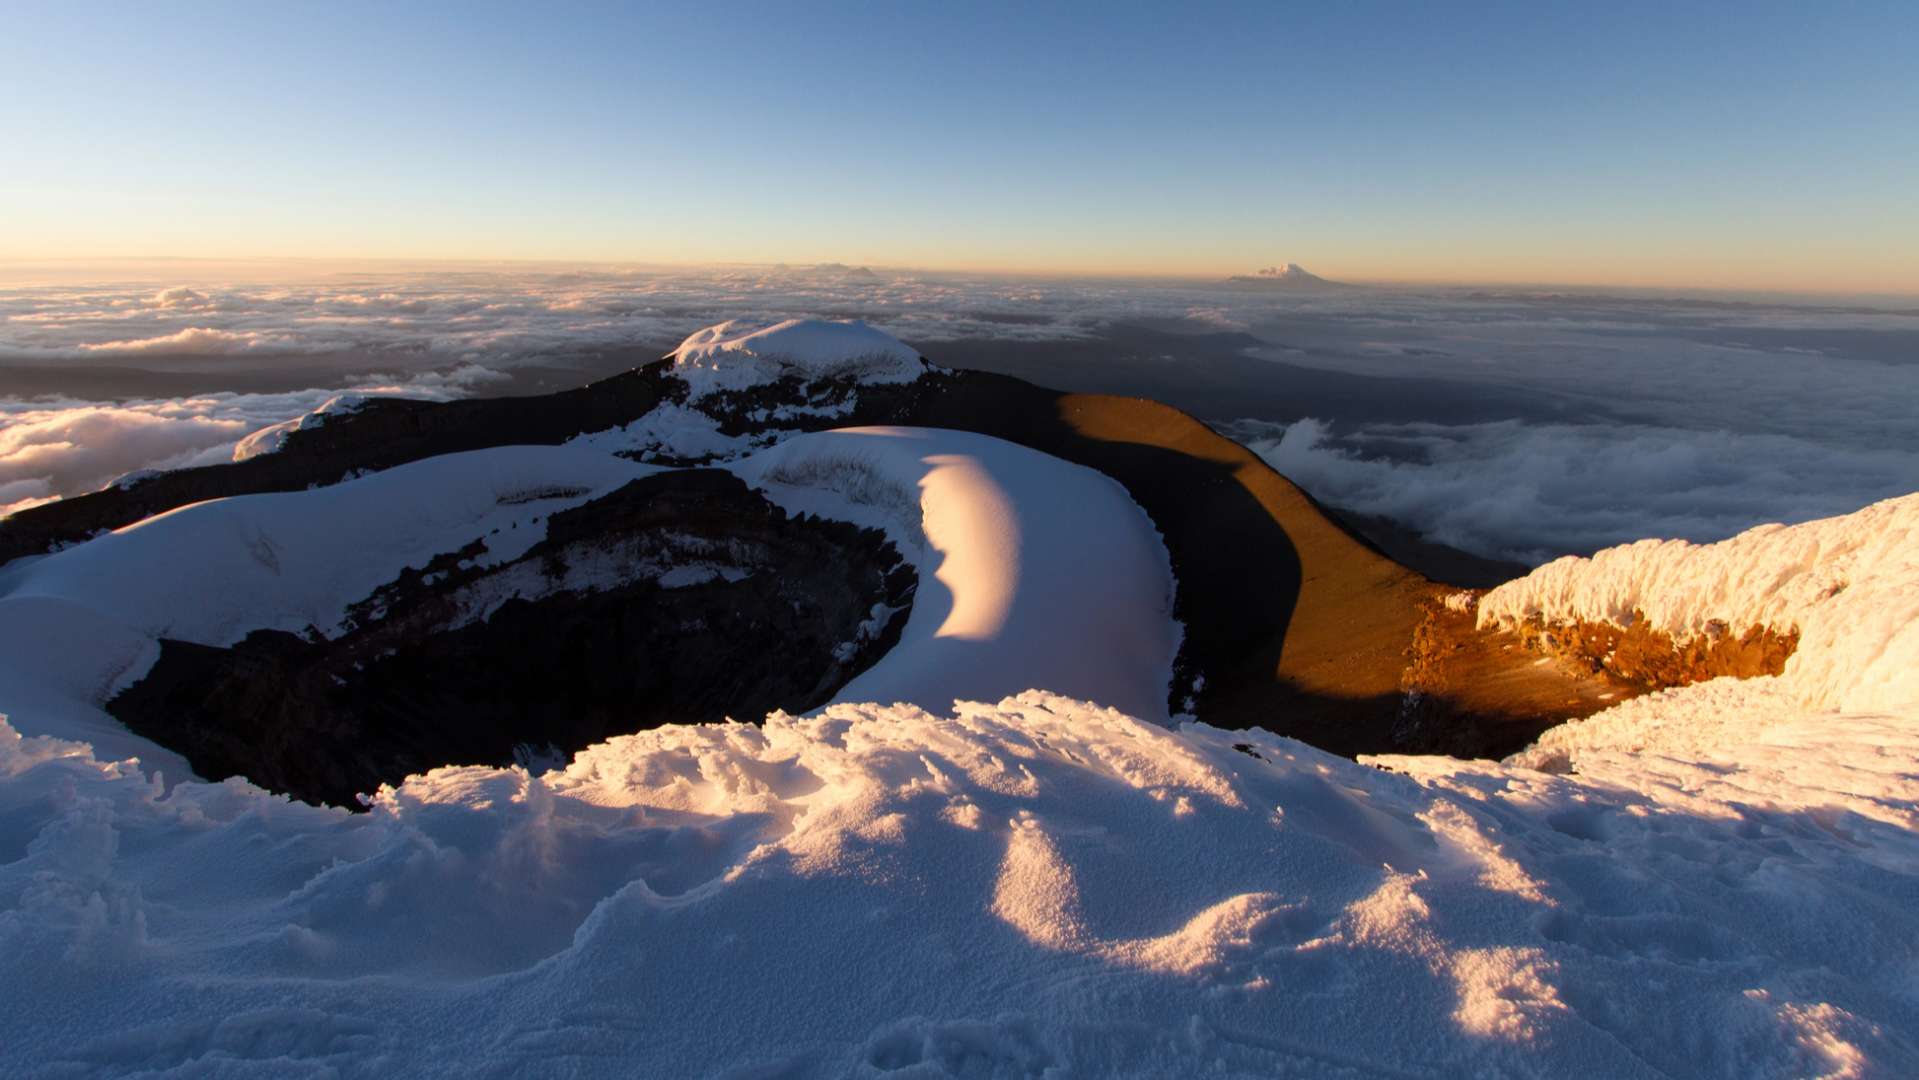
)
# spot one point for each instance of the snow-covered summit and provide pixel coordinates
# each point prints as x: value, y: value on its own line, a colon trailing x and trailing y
x: 1291, y: 275
x: 740, y: 354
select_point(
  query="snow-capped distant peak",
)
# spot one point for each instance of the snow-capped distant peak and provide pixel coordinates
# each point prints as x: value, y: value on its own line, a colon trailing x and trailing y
x: 1291, y: 274
x: 738, y: 354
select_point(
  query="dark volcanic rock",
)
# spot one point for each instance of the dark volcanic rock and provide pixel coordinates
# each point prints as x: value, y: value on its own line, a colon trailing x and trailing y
x: 682, y: 597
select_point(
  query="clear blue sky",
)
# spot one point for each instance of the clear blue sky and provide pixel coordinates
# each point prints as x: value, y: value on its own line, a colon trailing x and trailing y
x: 1740, y: 144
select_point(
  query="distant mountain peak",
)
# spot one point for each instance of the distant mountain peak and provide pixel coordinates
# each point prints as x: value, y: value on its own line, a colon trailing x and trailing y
x: 1291, y: 275
x: 861, y: 273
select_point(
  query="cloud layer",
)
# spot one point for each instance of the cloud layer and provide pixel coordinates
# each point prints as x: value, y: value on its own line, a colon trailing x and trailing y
x: 51, y: 449
x: 506, y: 317
x: 1531, y: 492
x: 1644, y: 415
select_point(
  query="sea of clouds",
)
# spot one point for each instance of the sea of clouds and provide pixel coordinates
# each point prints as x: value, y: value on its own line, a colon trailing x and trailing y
x: 1638, y: 415
x: 436, y: 334
x: 1530, y: 492
x: 1656, y: 417
x: 55, y: 447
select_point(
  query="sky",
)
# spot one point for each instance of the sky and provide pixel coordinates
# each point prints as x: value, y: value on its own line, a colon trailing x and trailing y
x: 1750, y: 146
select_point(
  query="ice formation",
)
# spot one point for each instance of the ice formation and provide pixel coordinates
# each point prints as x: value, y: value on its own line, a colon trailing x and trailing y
x: 1849, y: 586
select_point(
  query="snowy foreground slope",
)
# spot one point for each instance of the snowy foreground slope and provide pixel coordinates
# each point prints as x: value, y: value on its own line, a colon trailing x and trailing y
x: 1028, y: 885
x: 1002, y: 890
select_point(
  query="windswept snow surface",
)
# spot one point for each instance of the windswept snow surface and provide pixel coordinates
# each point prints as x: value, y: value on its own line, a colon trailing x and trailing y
x: 1849, y: 585
x: 738, y: 355
x: 1033, y: 571
x: 1036, y: 887
x: 79, y: 625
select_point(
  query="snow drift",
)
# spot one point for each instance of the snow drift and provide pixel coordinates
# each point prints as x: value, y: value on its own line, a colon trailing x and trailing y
x: 1035, y: 887
x: 1033, y: 571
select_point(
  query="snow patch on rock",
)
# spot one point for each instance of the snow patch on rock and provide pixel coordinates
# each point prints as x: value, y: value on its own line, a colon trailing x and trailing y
x: 271, y: 439
x: 671, y: 430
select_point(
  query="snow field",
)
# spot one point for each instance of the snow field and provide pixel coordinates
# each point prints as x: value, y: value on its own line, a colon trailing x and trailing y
x: 993, y: 890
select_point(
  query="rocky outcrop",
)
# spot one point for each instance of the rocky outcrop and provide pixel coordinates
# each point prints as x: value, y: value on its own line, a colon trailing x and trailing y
x: 1471, y: 693
x: 683, y: 597
x: 1646, y: 657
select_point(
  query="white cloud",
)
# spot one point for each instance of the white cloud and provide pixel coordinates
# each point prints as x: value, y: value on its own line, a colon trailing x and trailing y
x: 61, y: 448
x: 506, y: 316
x: 193, y: 340
x: 1530, y: 492
x: 65, y: 450
x: 180, y: 297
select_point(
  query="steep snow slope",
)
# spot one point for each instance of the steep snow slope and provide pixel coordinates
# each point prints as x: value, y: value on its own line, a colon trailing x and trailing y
x: 1033, y: 571
x: 77, y: 626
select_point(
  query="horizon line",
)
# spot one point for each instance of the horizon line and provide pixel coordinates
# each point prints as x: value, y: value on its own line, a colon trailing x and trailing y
x: 1219, y: 277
